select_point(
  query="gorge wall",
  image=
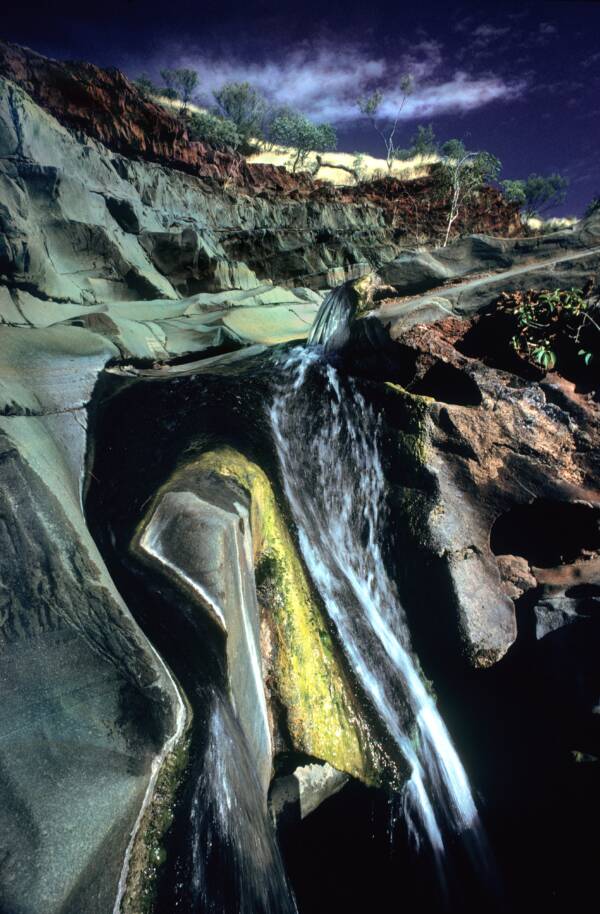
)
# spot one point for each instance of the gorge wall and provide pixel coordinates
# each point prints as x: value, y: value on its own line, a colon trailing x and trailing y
x: 149, y: 288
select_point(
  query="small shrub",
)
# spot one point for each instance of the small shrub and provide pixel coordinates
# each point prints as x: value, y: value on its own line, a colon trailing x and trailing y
x: 145, y: 85
x: 293, y: 129
x: 593, y: 206
x: 536, y: 194
x: 210, y: 128
x: 358, y: 167
x: 549, y: 326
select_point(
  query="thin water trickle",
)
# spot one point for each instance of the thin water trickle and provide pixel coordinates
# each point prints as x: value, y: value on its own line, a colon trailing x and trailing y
x: 329, y: 453
x: 236, y: 864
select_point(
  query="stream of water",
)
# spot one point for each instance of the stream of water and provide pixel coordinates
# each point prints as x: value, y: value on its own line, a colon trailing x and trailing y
x: 330, y: 458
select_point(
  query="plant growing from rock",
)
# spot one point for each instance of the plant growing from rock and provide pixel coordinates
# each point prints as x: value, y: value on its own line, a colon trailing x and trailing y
x: 181, y: 84
x: 593, y: 206
x: 145, y: 85
x: 370, y: 106
x: 210, y: 128
x: 549, y: 323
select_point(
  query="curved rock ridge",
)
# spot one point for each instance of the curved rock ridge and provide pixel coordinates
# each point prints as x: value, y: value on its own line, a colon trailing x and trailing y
x: 88, y: 708
x: 469, y: 274
x: 214, y: 528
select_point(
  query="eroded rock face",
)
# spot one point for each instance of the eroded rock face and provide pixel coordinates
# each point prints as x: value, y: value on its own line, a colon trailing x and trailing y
x: 143, y: 255
x: 210, y: 526
x: 87, y: 706
x: 515, y: 475
x: 198, y: 533
x: 105, y: 105
x: 558, y: 260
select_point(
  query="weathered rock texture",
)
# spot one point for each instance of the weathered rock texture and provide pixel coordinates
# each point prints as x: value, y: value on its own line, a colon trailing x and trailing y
x: 281, y: 226
x: 515, y: 468
x: 120, y: 239
x: 87, y: 705
x: 469, y: 274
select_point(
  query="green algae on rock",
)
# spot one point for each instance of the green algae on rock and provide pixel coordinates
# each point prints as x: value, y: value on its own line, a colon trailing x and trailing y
x: 301, y: 666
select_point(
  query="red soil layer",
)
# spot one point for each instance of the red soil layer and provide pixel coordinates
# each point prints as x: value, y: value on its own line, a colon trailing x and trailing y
x: 105, y: 105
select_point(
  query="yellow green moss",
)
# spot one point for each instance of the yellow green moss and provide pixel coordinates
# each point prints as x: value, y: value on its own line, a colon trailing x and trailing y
x: 415, y: 408
x: 305, y: 671
x: 364, y: 288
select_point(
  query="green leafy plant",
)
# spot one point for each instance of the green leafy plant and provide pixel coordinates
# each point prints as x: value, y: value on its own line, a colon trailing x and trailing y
x: 460, y: 177
x: 593, y: 206
x: 548, y: 323
x: 290, y: 128
x: 245, y: 107
x: 180, y: 84
x: 537, y: 193
x: 145, y: 85
x: 210, y: 128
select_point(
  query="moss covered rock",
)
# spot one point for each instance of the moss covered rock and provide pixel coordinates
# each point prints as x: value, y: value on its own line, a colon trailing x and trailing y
x: 301, y: 667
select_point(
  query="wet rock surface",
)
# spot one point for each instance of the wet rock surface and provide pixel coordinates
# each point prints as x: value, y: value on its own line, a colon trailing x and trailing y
x: 86, y: 706
x: 515, y: 476
x: 109, y: 264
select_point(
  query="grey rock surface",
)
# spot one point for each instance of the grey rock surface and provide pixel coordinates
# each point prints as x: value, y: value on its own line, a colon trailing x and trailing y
x: 470, y: 273
x: 198, y: 533
x: 86, y: 704
x: 295, y: 796
x: 92, y: 238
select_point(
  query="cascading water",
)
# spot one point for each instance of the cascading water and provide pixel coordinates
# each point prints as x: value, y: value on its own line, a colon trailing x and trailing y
x: 329, y: 453
x: 235, y: 861
x: 332, y: 323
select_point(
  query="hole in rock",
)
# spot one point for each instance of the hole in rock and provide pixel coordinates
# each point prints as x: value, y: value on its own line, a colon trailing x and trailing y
x: 547, y: 533
x: 580, y: 591
x: 588, y: 607
x: 488, y: 339
x: 448, y: 384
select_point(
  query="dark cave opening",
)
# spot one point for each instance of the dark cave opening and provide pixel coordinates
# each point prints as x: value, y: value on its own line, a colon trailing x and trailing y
x: 448, y: 384
x: 547, y: 533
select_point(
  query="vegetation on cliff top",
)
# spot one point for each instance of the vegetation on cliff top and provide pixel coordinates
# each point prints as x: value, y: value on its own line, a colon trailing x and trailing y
x: 243, y: 119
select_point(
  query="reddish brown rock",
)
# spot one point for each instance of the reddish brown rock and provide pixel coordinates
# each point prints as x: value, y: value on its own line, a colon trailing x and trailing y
x: 106, y: 105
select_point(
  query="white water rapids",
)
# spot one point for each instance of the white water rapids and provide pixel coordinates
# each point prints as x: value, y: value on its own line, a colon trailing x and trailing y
x: 328, y: 443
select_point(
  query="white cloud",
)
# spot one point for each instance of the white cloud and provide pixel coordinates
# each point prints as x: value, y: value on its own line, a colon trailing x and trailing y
x: 325, y: 82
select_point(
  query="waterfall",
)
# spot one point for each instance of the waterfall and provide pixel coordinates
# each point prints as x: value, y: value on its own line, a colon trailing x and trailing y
x: 329, y: 452
x: 235, y: 862
x: 332, y: 324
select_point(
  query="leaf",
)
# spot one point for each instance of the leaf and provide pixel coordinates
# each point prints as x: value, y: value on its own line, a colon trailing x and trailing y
x: 544, y: 357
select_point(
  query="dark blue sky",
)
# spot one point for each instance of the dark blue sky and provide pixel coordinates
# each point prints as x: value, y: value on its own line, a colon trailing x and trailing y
x: 520, y: 79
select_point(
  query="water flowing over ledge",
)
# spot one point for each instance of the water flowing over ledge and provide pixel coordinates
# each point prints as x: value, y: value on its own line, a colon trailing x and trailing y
x: 331, y: 467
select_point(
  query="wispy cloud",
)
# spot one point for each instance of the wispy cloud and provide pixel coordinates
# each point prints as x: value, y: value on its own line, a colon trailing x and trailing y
x: 325, y: 83
x: 485, y: 35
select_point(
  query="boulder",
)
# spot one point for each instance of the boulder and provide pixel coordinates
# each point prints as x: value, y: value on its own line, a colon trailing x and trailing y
x: 89, y: 711
x: 211, y: 528
x: 88, y: 708
x: 509, y: 480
